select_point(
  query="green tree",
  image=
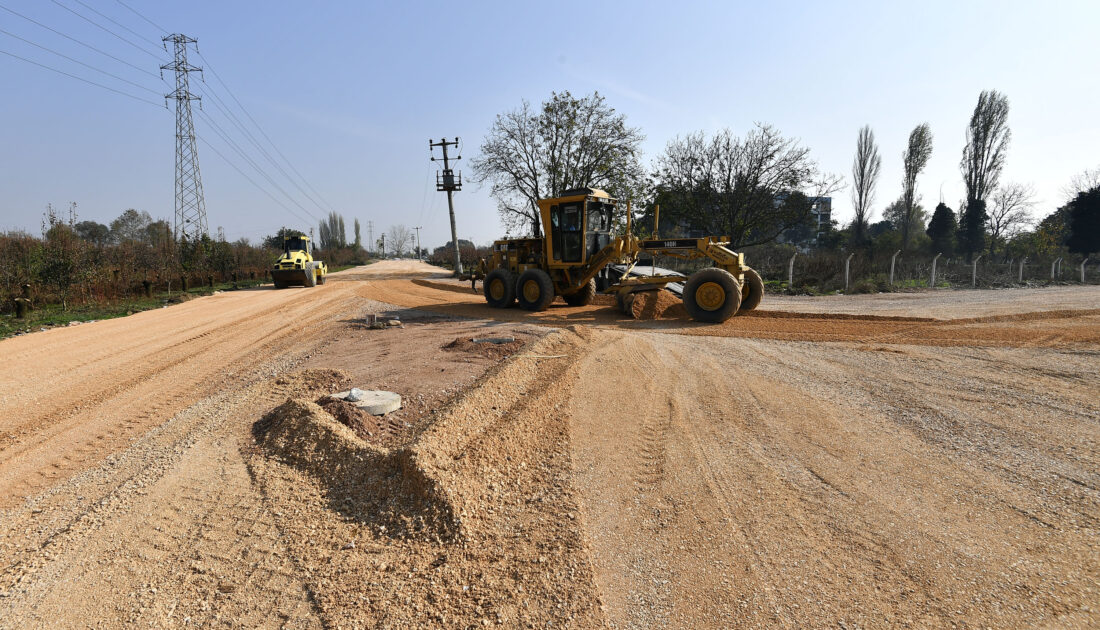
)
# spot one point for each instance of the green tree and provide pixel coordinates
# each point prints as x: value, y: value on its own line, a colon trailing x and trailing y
x: 942, y: 229
x: 866, y: 167
x: 275, y: 241
x: 95, y: 233
x: 905, y: 220
x: 331, y: 233
x: 983, y: 161
x: 915, y: 158
x: 1083, y: 223
x: 131, y: 225
x: 568, y: 143
x: 972, y: 224
x: 62, y: 255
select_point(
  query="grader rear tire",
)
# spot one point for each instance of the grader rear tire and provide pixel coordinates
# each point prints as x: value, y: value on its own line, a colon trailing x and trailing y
x: 712, y: 295
x: 535, y: 290
x: 500, y: 288
x: 752, y: 291
x: 583, y: 297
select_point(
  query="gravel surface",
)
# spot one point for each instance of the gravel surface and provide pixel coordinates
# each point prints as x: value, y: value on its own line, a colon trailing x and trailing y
x: 878, y: 467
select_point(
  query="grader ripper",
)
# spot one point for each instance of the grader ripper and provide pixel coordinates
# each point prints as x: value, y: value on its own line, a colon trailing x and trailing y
x: 578, y: 248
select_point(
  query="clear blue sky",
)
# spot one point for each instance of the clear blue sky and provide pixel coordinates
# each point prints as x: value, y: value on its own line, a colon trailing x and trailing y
x: 351, y: 92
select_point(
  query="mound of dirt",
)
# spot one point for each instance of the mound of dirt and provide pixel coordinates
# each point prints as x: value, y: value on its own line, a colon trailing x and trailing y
x: 385, y: 488
x: 485, y: 349
x: 299, y: 383
x: 367, y: 427
x: 656, y: 305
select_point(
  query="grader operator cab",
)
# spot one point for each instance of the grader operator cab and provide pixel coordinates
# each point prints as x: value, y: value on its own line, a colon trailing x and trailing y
x: 296, y: 266
x: 579, y: 246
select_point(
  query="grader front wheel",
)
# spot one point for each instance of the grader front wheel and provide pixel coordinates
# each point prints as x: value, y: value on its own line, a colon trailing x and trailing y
x: 712, y: 295
x: 752, y: 291
x: 500, y: 288
x: 583, y: 297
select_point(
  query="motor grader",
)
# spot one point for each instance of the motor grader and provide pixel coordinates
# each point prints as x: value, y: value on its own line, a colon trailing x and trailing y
x: 296, y: 266
x: 578, y: 247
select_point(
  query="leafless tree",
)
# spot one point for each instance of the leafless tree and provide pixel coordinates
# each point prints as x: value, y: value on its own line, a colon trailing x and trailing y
x: 751, y: 189
x: 915, y: 158
x: 986, y: 144
x: 569, y: 143
x: 1009, y: 213
x: 1082, y: 182
x: 400, y: 237
x: 865, y: 171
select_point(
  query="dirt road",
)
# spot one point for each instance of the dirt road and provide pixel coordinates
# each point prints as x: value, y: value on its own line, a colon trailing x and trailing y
x: 935, y: 462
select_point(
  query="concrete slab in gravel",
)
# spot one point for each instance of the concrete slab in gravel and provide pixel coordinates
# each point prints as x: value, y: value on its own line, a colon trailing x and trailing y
x: 374, y: 402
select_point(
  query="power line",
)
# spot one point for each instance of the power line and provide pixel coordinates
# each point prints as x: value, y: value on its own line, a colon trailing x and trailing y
x: 232, y: 144
x: 251, y: 181
x: 114, y: 76
x: 233, y: 119
x: 104, y: 28
x: 73, y: 76
x: 135, y: 12
x: 262, y: 132
x: 73, y: 39
x: 122, y: 26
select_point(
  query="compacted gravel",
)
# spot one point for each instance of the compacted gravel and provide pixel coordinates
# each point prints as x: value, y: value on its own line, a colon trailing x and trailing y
x: 926, y: 460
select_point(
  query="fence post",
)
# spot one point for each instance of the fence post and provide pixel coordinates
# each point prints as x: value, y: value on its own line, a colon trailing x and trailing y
x: 847, y: 266
x: 974, y: 273
x: 1022, y: 261
x: 892, y: 260
x: 932, y: 284
x: 1083, y: 263
x: 790, y: 271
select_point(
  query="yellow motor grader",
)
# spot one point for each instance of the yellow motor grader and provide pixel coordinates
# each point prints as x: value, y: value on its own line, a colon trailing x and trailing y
x: 578, y: 247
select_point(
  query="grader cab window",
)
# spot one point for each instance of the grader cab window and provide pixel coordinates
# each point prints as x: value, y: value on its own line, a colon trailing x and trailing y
x: 566, y: 232
x: 599, y: 226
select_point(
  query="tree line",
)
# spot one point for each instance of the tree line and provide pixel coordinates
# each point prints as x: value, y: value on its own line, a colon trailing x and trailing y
x: 763, y: 187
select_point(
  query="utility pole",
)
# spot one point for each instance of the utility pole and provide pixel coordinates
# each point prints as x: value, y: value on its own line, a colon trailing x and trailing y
x: 419, y: 254
x: 190, y: 204
x: 449, y: 182
x: 370, y: 234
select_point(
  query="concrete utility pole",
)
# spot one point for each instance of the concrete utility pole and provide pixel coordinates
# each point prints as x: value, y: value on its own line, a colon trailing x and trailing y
x: 190, y: 204
x: 419, y: 254
x: 449, y: 182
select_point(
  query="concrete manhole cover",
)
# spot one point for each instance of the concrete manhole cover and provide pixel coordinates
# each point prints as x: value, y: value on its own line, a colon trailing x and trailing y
x: 374, y: 402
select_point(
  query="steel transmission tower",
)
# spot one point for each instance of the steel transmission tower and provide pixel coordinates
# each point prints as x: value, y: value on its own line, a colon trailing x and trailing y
x: 190, y: 205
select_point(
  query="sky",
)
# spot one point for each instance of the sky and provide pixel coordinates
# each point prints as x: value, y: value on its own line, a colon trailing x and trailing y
x: 350, y: 92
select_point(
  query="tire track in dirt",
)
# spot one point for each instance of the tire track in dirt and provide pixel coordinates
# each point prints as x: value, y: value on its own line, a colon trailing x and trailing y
x: 173, y: 533
x: 79, y: 425
x: 808, y: 492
